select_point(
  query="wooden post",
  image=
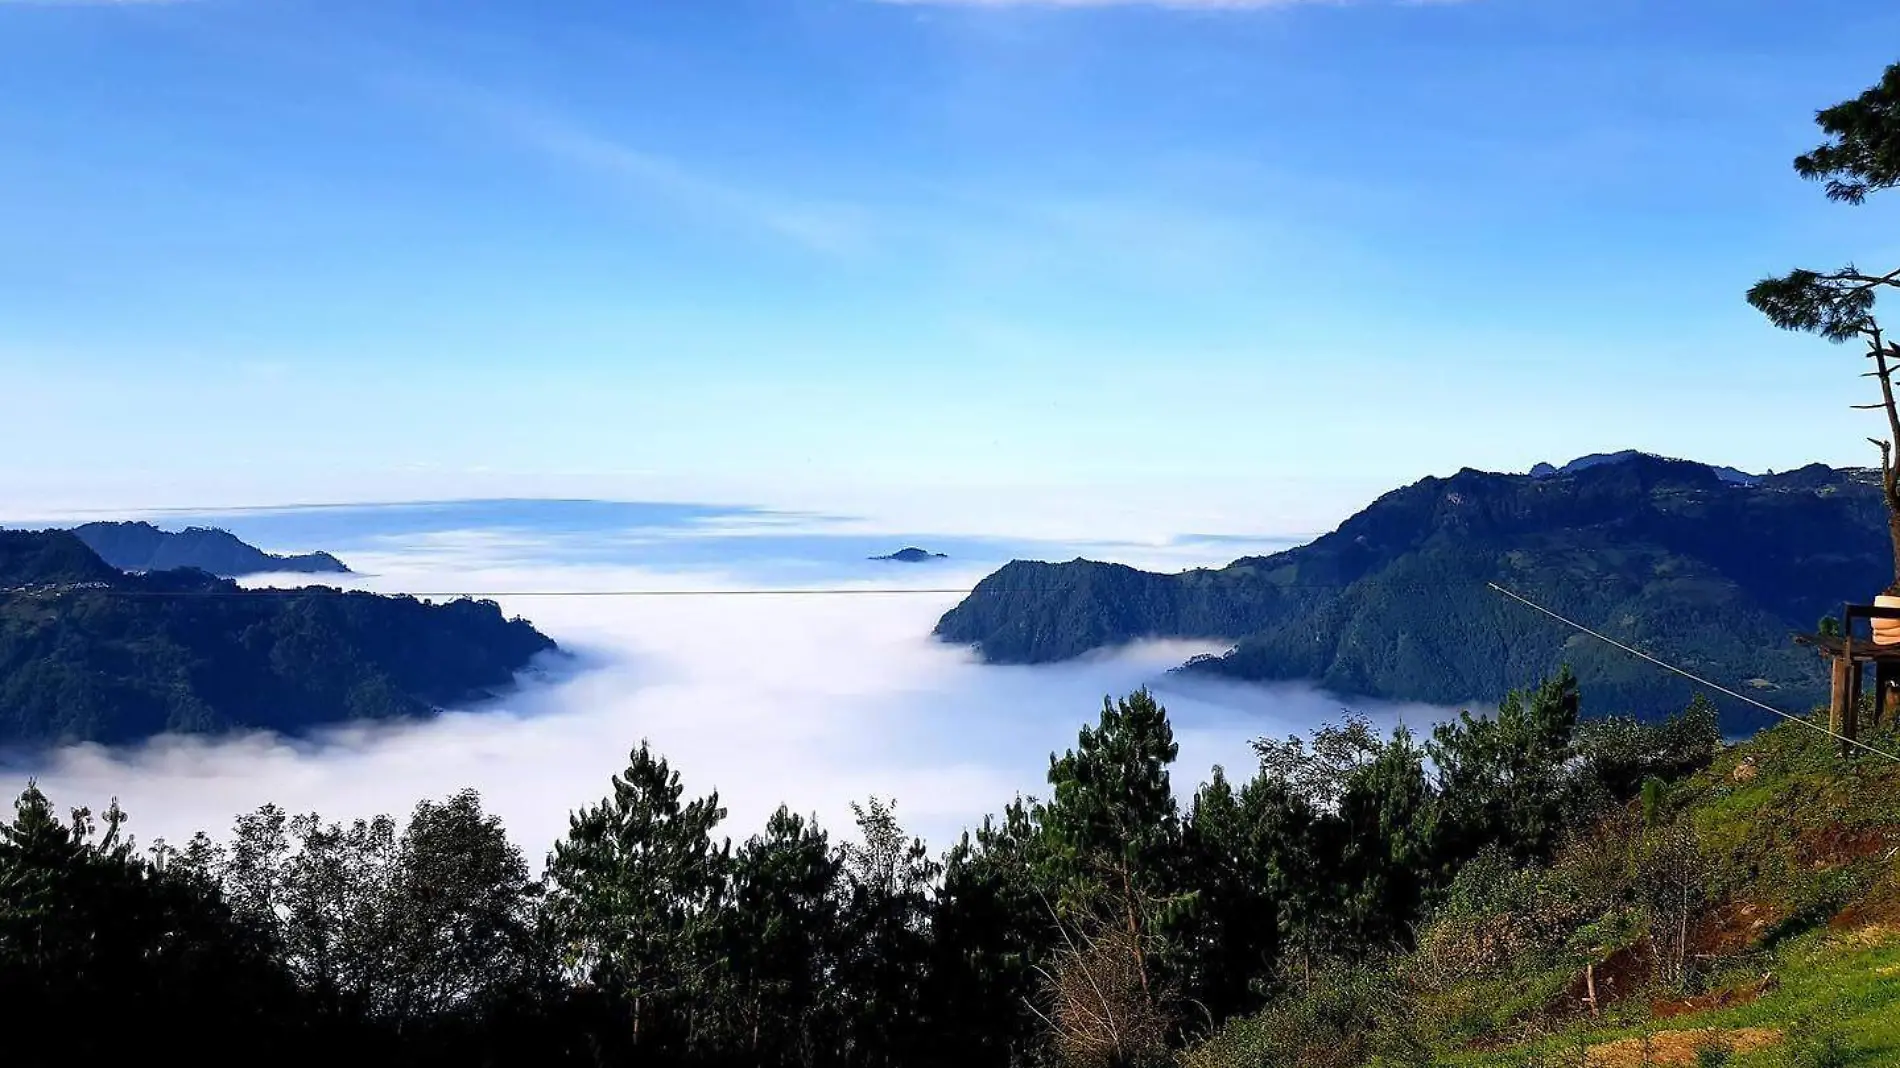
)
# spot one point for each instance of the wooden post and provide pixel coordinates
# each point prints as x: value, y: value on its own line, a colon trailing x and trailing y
x: 1885, y: 675
x: 1839, y: 706
x: 1850, y: 727
x: 1854, y: 679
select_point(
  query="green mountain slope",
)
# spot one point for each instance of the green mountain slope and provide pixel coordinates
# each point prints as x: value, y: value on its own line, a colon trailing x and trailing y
x: 144, y: 547
x: 1668, y: 555
x: 89, y: 653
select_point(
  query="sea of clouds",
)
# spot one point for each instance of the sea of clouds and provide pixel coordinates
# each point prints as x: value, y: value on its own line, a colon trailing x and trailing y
x: 810, y: 700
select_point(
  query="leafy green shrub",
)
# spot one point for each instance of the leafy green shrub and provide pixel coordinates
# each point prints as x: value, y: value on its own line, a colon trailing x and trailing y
x: 1497, y: 916
x: 1342, y: 1015
x: 1618, y: 755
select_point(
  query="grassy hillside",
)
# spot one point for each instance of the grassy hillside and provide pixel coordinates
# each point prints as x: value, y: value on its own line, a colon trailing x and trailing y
x: 1747, y: 916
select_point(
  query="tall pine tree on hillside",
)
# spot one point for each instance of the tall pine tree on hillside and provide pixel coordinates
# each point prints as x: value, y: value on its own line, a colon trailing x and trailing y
x: 632, y: 890
x: 1860, y: 157
x: 1111, y: 849
x: 1112, y: 825
x: 1234, y: 933
x: 776, y: 945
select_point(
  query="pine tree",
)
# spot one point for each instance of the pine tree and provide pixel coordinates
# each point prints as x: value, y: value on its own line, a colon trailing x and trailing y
x: 990, y: 925
x: 633, y: 886
x: 1235, y: 930
x: 1506, y: 778
x: 776, y: 944
x: 1861, y: 157
x: 1112, y: 825
x: 1389, y: 814
x: 1110, y: 847
x: 89, y: 927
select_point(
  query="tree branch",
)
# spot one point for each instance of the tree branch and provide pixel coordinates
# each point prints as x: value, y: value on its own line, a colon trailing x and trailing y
x: 1869, y: 281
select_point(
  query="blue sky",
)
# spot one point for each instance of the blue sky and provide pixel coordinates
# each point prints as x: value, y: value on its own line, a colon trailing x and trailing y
x: 1208, y: 265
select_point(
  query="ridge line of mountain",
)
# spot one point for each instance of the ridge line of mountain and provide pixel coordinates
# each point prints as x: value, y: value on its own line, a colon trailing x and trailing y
x: 1673, y: 556
x: 140, y: 546
x: 194, y: 653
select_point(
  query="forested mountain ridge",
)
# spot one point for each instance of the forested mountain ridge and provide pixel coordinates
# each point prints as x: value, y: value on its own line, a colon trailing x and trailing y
x: 144, y: 547
x: 1674, y: 556
x: 91, y: 653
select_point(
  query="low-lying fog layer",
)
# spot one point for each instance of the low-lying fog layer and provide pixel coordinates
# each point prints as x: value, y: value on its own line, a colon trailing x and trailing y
x: 810, y: 700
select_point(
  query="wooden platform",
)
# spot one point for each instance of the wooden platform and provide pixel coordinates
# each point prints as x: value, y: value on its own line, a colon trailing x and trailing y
x: 1849, y: 655
x: 1864, y: 651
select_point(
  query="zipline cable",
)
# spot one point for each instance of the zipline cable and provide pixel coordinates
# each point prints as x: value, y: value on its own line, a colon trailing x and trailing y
x: 52, y: 590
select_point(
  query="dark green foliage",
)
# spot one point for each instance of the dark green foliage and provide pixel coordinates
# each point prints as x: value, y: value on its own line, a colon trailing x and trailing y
x: 884, y: 956
x: 1103, y: 927
x: 89, y: 927
x: 1861, y: 156
x: 1234, y: 939
x: 990, y: 925
x: 633, y: 890
x: 1346, y: 833
x: 1662, y: 554
x: 1837, y: 305
x: 400, y: 928
x: 1112, y: 825
x: 1654, y: 793
x: 1388, y: 820
x: 1619, y: 753
x: 1506, y: 778
x: 144, y: 547
x: 1713, y: 1056
x: 1863, y: 151
x: 1339, y: 1015
x: 775, y: 942
x: 88, y: 653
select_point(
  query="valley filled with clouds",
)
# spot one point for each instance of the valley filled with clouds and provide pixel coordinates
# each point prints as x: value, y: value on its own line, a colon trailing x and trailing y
x: 801, y: 695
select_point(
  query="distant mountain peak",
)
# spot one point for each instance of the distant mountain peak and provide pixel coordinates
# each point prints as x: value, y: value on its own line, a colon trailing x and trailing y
x: 140, y: 546
x: 1600, y: 459
x: 911, y: 554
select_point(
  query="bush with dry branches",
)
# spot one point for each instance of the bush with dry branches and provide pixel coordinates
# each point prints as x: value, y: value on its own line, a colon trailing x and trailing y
x: 1102, y: 1007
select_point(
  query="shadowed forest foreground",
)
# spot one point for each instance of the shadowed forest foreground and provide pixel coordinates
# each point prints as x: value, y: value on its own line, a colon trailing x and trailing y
x: 1522, y: 888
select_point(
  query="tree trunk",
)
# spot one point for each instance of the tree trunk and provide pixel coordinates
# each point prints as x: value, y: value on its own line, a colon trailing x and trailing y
x: 1134, y: 926
x: 1884, y: 355
x: 1893, y: 534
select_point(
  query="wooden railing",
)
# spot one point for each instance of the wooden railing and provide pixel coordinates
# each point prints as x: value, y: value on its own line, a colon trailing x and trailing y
x: 1844, y: 703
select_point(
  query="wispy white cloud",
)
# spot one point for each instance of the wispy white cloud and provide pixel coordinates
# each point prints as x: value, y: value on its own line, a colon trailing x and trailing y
x: 826, y: 228
x: 565, y: 140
